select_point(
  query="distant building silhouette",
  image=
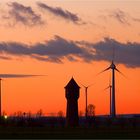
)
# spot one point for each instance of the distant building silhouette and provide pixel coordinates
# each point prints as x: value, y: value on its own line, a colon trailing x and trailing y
x: 72, y: 95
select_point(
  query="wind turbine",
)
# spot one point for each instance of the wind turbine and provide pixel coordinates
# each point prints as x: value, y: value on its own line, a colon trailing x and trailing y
x: 86, y: 94
x: 110, y: 93
x: 113, y: 68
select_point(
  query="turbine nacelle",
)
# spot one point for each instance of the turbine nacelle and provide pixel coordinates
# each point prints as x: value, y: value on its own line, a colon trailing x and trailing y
x: 108, y: 87
x: 86, y: 87
x: 112, y: 66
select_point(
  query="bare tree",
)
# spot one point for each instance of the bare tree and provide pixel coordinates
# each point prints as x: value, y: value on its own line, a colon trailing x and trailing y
x: 4, y: 113
x: 19, y: 114
x: 29, y: 114
x: 81, y: 113
x: 60, y: 113
x: 39, y: 113
x: 91, y: 110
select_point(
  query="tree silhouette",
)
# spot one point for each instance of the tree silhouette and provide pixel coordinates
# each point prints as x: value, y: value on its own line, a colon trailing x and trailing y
x: 39, y: 113
x: 81, y: 113
x: 19, y: 114
x: 60, y: 113
x: 91, y: 110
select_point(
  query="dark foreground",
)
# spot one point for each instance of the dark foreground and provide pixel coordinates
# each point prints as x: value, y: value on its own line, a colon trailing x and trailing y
x: 79, y: 132
x: 55, y: 128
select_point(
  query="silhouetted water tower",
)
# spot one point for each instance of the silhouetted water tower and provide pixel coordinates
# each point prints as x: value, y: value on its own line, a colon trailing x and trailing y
x: 72, y: 95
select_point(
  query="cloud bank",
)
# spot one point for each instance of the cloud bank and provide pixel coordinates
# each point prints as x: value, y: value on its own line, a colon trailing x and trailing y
x: 19, y: 14
x: 125, y: 53
x: 58, y: 49
x: 25, y: 15
x: 65, y: 14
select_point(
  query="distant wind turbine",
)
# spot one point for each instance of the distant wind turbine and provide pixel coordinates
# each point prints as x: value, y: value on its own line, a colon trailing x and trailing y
x: 86, y: 94
x: 110, y: 88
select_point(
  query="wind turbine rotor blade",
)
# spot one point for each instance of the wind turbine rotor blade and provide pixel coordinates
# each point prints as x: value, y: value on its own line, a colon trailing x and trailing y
x: 17, y: 75
x: 107, y: 88
x: 120, y: 72
x: 83, y: 85
x: 90, y: 85
x: 104, y: 70
x: 87, y: 86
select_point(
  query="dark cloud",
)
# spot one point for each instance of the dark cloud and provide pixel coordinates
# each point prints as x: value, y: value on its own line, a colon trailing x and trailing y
x: 17, y: 75
x: 48, y: 59
x: 58, y: 49
x: 121, y: 16
x: 125, y: 53
x: 57, y: 11
x: 22, y: 14
x: 53, y: 51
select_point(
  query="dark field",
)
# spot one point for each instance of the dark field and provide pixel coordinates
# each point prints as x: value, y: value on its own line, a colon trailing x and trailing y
x: 55, y: 128
x: 45, y: 132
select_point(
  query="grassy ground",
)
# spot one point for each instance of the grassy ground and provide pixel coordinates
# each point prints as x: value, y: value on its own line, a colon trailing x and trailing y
x: 65, y: 132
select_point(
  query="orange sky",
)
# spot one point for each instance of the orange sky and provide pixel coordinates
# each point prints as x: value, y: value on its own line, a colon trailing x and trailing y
x: 47, y: 92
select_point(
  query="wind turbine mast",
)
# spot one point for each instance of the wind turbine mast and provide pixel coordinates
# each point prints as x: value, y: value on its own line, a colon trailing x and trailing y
x: 113, y: 108
x: 110, y: 88
x: 86, y: 100
x: 113, y: 67
x: 110, y: 95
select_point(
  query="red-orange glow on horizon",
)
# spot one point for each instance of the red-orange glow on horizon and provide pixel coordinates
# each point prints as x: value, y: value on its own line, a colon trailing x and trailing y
x: 47, y: 93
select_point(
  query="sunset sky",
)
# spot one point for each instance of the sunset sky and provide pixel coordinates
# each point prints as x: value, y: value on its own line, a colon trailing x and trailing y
x: 59, y: 39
